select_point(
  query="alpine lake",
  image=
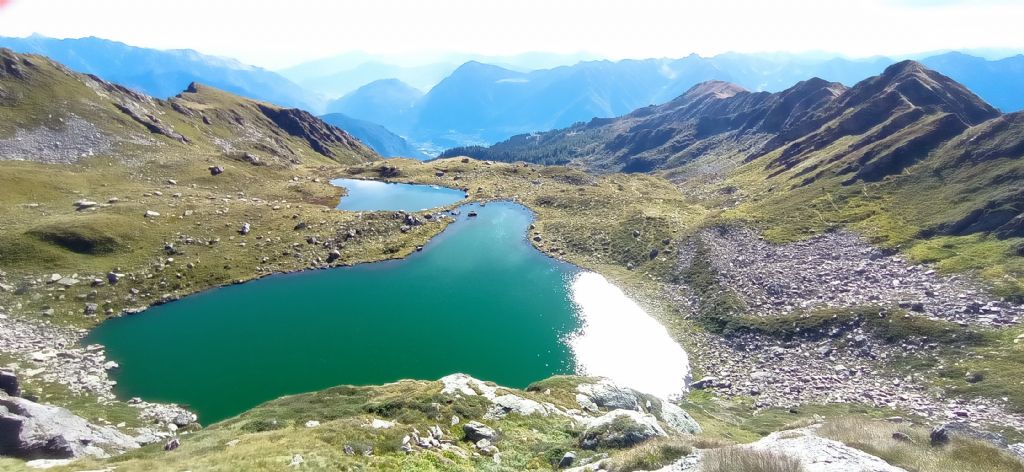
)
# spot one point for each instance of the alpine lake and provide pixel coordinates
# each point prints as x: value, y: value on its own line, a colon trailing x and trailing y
x: 477, y: 299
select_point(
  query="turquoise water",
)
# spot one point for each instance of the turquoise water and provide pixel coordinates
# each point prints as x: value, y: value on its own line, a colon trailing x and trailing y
x: 371, y: 195
x: 479, y: 299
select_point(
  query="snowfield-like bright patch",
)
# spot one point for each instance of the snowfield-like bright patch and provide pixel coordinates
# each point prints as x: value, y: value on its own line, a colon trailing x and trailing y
x: 620, y: 341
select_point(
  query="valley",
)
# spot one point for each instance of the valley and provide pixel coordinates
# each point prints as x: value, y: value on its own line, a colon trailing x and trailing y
x: 790, y: 263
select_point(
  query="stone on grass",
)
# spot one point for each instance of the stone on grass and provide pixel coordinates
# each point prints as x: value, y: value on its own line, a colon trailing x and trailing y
x: 476, y: 431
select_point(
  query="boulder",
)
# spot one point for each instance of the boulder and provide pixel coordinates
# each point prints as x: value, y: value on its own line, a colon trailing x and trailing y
x: 216, y: 170
x: 710, y: 382
x: 609, y: 395
x: 9, y: 383
x: 30, y: 430
x: 567, y: 459
x: 504, y: 405
x: 621, y: 429
x: 675, y: 417
x: 939, y: 435
x: 818, y: 454
x: 476, y: 431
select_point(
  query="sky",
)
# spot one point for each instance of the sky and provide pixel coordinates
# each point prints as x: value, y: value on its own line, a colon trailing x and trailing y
x: 276, y: 34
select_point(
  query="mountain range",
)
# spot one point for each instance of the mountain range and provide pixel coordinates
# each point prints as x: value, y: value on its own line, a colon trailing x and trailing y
x: 482, y: 103
x: 910, y: 129
x: 164, y: 73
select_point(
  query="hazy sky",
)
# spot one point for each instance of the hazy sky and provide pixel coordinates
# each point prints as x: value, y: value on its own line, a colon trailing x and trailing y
x: 279, y: 33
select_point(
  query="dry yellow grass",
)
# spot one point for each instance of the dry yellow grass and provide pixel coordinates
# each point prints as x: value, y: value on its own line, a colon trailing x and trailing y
x: 737, y: 459
x: 960, y: 455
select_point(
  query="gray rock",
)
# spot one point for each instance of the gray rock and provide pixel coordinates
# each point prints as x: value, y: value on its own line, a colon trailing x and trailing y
x: 609, y: 395
x: 9, y: 383
x: 567, y: 460
x: 29, y: 430
x: 818, y: 454
x: 939, y: 435
x: 902, y: 437
x: 183, y: 419
x: 621, y: 429
x: 503, y: 405
x: 709, y: 382
x: 676, y: 418
x: 244, y: 229
x: 475, y: 431
x: 216, y: 170
x: 85, y: 204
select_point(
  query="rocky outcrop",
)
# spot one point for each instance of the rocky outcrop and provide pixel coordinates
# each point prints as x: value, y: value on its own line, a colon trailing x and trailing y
x: 303, y: 125
x: 30, y: 430
x: 604, y: 395
x: 818, y: 454
x: 814, y: 453
x: 621, y: 429
x: 597, y: 399
x: 475, y: 431
x: 151, y: 122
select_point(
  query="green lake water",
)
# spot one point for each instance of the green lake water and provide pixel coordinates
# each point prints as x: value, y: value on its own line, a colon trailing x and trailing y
x: 478, y: 299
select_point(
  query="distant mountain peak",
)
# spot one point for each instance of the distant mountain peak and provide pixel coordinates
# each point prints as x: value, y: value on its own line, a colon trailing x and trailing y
x: 717, y: 89
x: 905, y: 67
x: 914, y: 84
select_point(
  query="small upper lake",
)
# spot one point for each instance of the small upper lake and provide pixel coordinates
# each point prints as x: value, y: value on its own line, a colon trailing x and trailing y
x: 371, y: 195
x: 478, y: 299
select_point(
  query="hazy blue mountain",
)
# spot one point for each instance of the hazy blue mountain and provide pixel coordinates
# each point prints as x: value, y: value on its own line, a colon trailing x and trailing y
x: 777, y: 72
x: 343, y: 82
x: 483, y: 103
x: 375, y: 136
x: 999, y: 82
x: 339, y: 75
x: 389, y: 102
x: 164, y: 73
